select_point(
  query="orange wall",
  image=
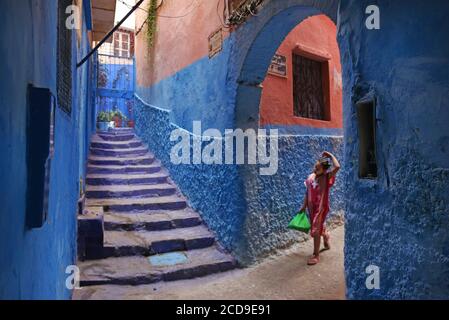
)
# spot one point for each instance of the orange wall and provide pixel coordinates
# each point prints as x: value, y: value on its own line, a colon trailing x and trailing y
x: 179, y: 41
x: 316, y: 34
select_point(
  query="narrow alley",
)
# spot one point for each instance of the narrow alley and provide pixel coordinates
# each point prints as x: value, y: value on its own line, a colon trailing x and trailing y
x: 224, y: 150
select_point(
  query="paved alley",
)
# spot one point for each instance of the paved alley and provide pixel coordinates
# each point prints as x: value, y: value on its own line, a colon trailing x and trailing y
x: 282, y: 276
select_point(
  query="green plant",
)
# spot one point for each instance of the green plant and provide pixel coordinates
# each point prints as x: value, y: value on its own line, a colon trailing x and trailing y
x: 242, y: 13
x: 151, y: 22
x: 117, y: 113
x: 103, y: 116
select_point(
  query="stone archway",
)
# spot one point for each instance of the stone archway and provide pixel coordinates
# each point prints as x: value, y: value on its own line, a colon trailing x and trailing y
x: 255, y: 44
x: 268, y: 204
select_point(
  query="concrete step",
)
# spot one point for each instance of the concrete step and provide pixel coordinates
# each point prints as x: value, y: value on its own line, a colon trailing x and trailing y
x: 151, y: 220
x: 131, y: 243
x: 142, y: 169
x: 113, y: 161
x: 129, y: 191
x: 126, y: 179
x: 101, y: 144
x: 122, y: 130
x: 172, y: 202
x: 122, y: 153
x: 139, y: 270
x: 108, y: 136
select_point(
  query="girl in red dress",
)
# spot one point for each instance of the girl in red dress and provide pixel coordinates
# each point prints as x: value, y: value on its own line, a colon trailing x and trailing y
x: 316, y: 201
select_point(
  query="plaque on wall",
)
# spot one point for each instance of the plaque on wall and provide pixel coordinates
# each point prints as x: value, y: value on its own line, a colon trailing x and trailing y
x: 215, y: 43
x: 278, y: 66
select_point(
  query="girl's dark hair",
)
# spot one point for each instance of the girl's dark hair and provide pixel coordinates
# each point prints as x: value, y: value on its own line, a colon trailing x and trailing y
x: 325, y: 163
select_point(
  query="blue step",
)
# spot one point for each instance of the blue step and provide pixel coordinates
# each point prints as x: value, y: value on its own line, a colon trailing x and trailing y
x: 123, y: 169
x: 126, y: 191
x: 151, y: 221
x: 105, y: 161
x: 171, y: 202
x: 130, y: 243
x: 118, y: 152
x: 106, y: 145
x: 116, y: 137
x: 109, y: 180
x: 138, y: 270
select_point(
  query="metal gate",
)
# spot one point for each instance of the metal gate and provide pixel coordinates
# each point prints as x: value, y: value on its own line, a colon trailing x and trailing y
x: 115, y: 85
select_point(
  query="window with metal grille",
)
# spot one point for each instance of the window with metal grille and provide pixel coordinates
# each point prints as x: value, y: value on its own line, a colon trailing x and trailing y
x: 308, y: 93
x: 122, y: 44
x: 64, y: 63
x: 235, y: 4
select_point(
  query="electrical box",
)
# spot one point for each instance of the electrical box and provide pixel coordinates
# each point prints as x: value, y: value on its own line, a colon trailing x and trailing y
x: 39, y: 153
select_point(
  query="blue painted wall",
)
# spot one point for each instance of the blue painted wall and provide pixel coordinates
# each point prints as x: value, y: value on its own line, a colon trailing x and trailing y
x: 117, y: 92
x: 248, y: 212
x: 398, y: 222
x: 214, y: 190
x: 33, y: 262
x: 197, y: 92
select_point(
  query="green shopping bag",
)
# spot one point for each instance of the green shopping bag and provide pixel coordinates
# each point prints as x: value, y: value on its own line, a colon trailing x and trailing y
x: 300, y: 222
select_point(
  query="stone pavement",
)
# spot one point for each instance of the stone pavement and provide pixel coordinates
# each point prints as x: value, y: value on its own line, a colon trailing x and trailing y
x: 282, y: 276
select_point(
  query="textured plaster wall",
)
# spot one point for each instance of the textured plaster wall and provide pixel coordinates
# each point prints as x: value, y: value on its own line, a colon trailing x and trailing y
x: 400, y: 221
x: 214, y: 190
x: 249, y: 213
x: 272, y: 201
x: 33, y: 262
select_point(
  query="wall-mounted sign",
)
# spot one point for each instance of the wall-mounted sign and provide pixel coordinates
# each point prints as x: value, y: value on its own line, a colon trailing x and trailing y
x: 215, y: 42
x: 278, y: 66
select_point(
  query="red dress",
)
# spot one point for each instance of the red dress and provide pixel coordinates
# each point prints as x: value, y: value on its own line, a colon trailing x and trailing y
x: 314, y: 195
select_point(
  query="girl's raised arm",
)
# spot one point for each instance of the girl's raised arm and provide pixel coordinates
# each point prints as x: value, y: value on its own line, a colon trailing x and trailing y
x: 336, y: 164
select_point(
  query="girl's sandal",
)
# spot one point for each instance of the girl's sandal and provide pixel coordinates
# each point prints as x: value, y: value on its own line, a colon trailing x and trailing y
x: 327, y: 246
x: 313, y: 260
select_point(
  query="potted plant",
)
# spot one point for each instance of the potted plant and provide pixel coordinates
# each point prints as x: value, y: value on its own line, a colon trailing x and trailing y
x: 117, y: 117
x: 103, y: 120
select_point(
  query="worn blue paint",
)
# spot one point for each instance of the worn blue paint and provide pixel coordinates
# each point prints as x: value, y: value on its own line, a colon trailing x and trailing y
x: 33, y: 262
x: 118, y: 91
x: 195, y: 93
x: 230, y: 198
x: 219, y: 184
x: 168, y: 259
x: 87, y: 7
x: 399, y: 221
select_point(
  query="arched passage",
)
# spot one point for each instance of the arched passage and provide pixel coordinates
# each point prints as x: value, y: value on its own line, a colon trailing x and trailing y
x: 396, y: 74
x: 257, y: 42
x: 271, y: 200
